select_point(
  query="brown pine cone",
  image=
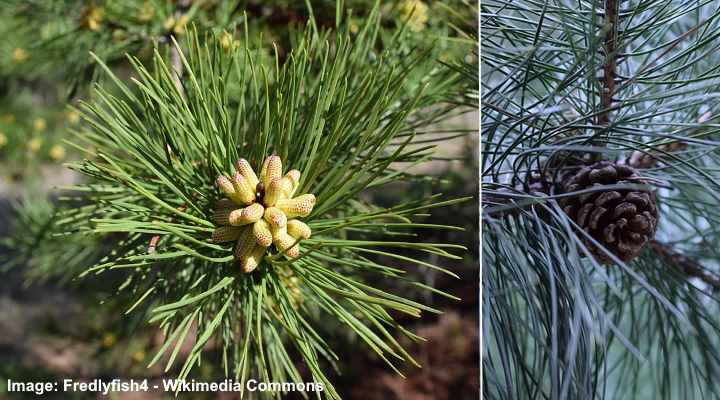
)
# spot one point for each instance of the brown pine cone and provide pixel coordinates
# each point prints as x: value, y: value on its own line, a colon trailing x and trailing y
x: 622, y: 220
x: 536, y: 182
x: 555, y: 171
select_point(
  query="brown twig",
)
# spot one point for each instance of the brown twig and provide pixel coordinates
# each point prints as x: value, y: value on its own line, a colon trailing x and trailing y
x: 685, y: 264
x: 152, y: 246
x: 650, y: 159
x: 610, y: 66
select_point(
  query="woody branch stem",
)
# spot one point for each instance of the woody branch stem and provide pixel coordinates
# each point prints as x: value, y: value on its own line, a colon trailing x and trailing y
x: 685, y: 264
x: 610, y: 66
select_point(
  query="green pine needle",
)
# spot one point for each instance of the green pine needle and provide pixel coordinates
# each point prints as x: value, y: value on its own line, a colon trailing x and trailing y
x: 344, y: 115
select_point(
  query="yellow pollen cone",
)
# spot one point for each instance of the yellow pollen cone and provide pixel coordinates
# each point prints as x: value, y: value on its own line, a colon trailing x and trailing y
x: 182, y: 22
x: 245, y: 243
x: 263, y: 169
x: 20, y: 55
x: 39, y: 124
x: 247, y: 215
x: 287, y: 244
x: 300, y: 206
x: 227, y: 42
x: 274, y: 192
x: 224, y: 234
x: 73, y: 116
x: 57, y: 152
x: 294, y: 176
x: 169, y: 23
x: 262, y: 233
x: 146, y: 12
x: 288, y: 188
x: 245, y: 192
x: 298, y: 229
x: 243, y: 166
x: 273, y: 169
x: 34, y: 145
x: 278, y: 231
x: 252, y: 260
x: 94, y: 18
x: 227, y: 188
x: 275, y: 217
x: 223, y: 208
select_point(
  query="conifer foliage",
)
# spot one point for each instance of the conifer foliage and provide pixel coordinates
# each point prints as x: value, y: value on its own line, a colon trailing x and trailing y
x: 600, y: 189
x: 168, y: 158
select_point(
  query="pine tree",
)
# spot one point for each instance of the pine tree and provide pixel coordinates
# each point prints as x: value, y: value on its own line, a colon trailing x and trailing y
x: 225, y: 178
x: 599, y: 175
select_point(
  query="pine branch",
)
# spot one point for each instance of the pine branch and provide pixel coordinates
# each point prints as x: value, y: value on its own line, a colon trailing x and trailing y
x: 685, y: 264
x: 649, y: 159
x: 541, y: 98
x: 610, y: 66
x: 347, y: 122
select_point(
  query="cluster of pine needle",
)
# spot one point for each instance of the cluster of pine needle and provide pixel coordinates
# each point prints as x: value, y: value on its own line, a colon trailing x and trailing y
x: 350, y: 117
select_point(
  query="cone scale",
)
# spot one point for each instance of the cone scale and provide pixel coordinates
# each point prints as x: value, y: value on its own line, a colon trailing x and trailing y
x: 623, y: 221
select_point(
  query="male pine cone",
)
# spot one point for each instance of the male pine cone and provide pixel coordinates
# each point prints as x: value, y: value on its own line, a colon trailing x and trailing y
x: 622, y: 220
x: 260, y: 211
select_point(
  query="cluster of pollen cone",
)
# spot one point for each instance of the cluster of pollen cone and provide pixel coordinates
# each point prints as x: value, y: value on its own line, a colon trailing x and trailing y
x: 261, y: 211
